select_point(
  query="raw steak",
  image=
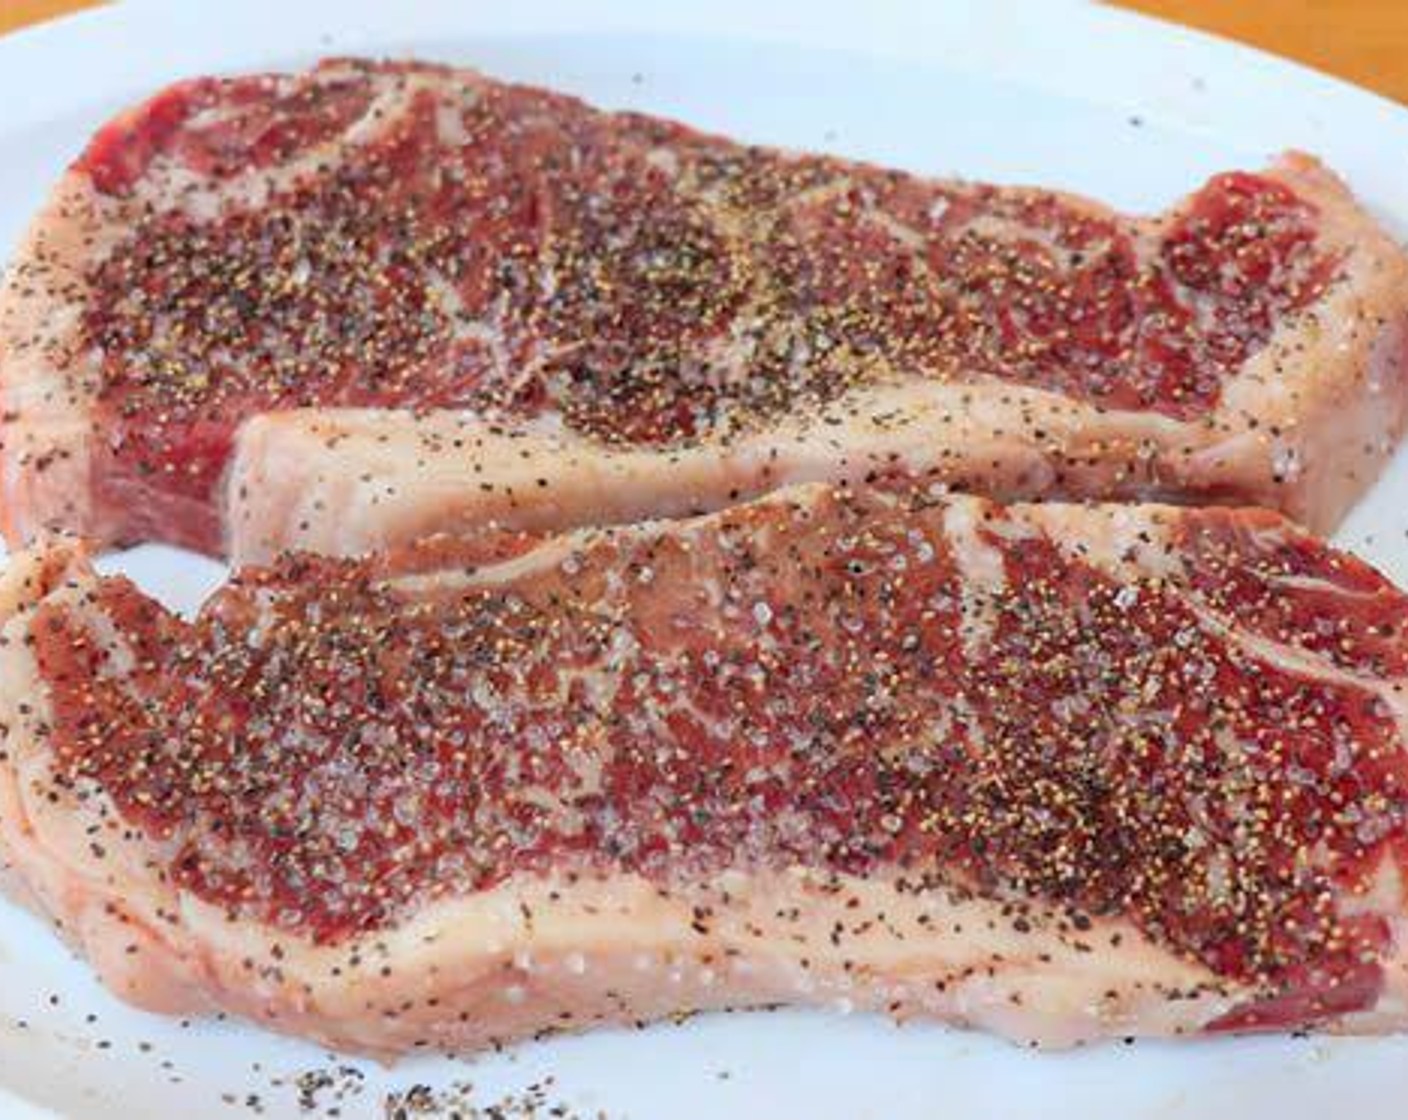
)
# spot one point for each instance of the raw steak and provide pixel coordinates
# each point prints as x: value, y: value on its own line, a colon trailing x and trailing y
x: 1057, y: 771
x: 554, y: 316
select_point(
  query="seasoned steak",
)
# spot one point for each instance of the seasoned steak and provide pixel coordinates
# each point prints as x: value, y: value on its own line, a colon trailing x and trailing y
x: 1057, y: 771
x: 338, y: 309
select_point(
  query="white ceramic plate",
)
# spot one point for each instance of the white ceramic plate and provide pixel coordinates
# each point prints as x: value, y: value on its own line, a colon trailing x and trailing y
x: 1056, y: 93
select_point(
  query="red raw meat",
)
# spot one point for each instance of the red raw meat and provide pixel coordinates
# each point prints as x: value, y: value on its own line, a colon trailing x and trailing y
x: 1057, y: 771
x: 340, y: 309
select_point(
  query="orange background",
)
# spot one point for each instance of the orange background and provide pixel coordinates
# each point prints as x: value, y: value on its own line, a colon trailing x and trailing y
x: 1365, y: 41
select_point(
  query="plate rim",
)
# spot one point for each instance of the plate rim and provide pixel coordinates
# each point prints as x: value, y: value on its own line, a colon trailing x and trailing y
x: 1181, y: 77
x: 891, y: 28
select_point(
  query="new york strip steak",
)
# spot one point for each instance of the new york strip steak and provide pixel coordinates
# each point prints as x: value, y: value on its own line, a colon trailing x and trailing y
x: 341, y: 309
x: 1057, y: 771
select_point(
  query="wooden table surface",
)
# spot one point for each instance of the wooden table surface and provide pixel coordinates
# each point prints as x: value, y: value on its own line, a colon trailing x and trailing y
x: 1365, y: 41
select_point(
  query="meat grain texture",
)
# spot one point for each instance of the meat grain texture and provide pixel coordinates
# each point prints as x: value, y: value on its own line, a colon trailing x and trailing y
x: 1061, y: 772
x: 342, y: 309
